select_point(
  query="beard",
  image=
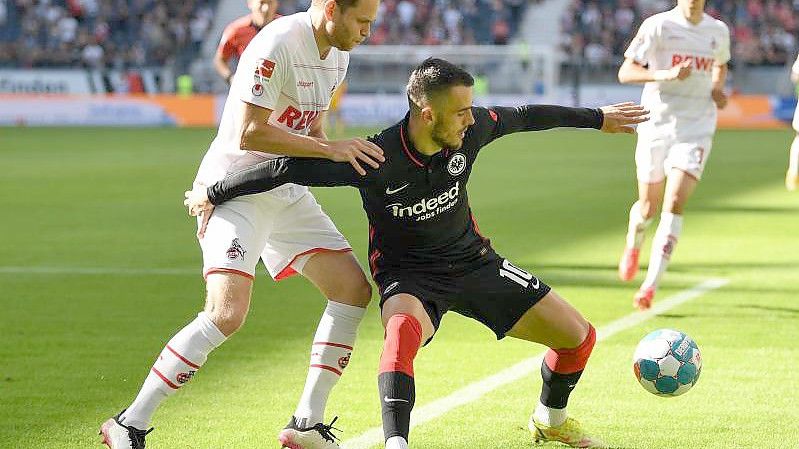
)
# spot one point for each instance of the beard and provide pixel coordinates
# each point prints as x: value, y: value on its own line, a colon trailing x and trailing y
x: 440, y: 138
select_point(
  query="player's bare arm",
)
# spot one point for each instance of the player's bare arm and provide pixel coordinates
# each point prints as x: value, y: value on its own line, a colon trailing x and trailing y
x: 719, y: 77
x: 258, y: 135
x: 222, y: 68
x: 632, y: 72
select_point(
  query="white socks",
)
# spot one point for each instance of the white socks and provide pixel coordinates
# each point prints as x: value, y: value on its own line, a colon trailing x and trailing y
x: 330, y: 354
x: 636, y: 227
x: 396, y: 443
x: 176, y: 365
x: 793, y: 157
x: 549, y: 416
x: 666, y: 236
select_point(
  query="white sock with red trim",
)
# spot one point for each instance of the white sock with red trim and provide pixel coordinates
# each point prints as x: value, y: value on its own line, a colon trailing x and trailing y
x: 182, y: 356
x: 666, y: 236
x: 330, y: 354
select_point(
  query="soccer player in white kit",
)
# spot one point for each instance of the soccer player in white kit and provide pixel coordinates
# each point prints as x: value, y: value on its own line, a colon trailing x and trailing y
x: 792, y: 177
x: 681, y: 55
x: 277, y: 100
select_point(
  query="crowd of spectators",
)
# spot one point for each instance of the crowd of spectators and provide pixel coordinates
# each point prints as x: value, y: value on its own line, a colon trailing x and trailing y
x: 123, y: 34
x: 763, y: 32
x: 116, y: 34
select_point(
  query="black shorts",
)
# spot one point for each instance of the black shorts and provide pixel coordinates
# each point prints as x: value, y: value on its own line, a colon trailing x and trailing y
x: 496, y: 294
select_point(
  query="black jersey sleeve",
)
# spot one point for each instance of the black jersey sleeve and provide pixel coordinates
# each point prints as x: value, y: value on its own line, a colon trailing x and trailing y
x: 276, y: 172
x: 497, y: 121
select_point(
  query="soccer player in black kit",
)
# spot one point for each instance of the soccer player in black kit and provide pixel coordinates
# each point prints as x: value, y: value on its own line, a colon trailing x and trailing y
x: 426, y: 253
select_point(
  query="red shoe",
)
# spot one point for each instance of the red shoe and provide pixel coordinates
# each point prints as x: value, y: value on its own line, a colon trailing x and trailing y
x: 628, y: 266
x: 643, y: 299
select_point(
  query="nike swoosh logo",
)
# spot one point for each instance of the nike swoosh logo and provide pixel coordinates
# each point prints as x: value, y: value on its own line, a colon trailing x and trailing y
x: 389, y: 400
x: 390, y: 191
x: 390, y: 288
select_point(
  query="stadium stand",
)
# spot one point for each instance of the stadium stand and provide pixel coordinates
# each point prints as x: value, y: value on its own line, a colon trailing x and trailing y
x: 117, y: 34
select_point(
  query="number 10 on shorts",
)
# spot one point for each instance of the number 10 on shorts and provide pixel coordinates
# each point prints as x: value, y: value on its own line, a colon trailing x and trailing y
x: 517, y: 275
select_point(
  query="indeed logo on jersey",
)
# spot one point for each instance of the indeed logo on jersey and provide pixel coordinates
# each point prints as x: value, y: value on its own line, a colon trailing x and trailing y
x: 427, y: 208
x: 698, y: 62
x: 296, y: 119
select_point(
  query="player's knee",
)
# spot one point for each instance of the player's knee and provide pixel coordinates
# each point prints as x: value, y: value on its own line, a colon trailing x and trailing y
x: 675, y: 203
x: 228, y: 319
x: 355, y: 291
x: 227, y: 309
x: 648, y: 208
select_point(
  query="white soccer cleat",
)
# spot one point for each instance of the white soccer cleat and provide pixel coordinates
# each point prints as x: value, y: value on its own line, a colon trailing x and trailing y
x: 119, y: 436
x: 297, y: 436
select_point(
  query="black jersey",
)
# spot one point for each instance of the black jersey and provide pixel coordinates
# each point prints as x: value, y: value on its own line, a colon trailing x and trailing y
x: 417, y: 205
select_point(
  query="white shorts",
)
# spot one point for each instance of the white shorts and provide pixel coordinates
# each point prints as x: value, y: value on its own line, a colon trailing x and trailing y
x: 282, y: 228
x: 656, y: 155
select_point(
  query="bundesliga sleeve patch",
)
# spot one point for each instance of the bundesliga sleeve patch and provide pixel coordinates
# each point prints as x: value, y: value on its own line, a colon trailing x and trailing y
x: 264, y: 69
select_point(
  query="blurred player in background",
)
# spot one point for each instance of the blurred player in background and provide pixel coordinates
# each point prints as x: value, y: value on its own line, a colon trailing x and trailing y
x: 334, y: 116
x: 276, y: 106
x: 240, y: 32
x: 681, y: 55
x: 792, y: 177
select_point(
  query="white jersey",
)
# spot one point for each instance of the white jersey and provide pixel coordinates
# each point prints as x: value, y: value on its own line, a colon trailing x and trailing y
x: 667, y: 39
x: 279, y: 70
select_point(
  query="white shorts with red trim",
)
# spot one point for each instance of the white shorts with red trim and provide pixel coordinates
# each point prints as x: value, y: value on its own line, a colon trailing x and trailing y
x: 657, y: 154
x: 282, y: 228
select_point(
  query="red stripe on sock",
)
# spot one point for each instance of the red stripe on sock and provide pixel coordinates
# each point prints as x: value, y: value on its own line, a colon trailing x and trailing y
x: 184, y: 359
x: 329, y: 368
x: 403, y: 338
x: 327, y: 343
x: 166, y: 381
x: 568, y: 361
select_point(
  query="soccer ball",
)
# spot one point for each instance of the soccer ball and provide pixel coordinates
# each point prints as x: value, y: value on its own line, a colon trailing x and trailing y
x: 667, y: 363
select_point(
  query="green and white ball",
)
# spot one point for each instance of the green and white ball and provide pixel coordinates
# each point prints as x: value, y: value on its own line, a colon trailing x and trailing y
x: 667, y: 363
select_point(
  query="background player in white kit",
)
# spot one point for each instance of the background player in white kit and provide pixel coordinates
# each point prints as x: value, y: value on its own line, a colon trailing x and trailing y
x: 681, y: 55
x: 281, y: 89
x: 792, y: 177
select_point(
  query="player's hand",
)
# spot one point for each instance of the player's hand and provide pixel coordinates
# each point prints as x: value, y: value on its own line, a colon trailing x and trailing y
x: 196, y: 201
x: 680, y: 71
x: 719, y: 97
x: 356, y: 151
x: 620, y: 118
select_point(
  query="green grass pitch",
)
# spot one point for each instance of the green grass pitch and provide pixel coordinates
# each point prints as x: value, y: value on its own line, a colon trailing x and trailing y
x: 99, y: 267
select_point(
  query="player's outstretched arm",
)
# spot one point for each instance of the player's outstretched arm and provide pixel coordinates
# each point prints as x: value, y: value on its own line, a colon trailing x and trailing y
x: 266, y: 176
x: 614, y: 118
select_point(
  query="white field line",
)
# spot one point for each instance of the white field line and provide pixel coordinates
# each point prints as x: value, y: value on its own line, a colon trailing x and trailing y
x: 102, y: 271
x: 476, y: 390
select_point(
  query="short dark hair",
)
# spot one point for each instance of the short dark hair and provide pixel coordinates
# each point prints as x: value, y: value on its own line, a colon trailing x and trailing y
x: 432, y: 77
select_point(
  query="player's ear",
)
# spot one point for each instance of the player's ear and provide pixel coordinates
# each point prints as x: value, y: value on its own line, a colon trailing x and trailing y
x: 427, y: 115
x: 329, y: 8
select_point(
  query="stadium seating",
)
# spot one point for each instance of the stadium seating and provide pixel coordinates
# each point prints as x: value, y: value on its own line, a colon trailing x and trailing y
x: 101, y: 33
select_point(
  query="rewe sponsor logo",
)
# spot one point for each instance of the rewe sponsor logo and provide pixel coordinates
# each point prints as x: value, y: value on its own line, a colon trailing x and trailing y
x: 296, y: 119
x: 427, y: 208
x: 698, y: 62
